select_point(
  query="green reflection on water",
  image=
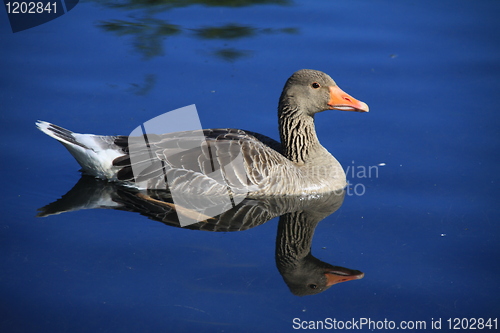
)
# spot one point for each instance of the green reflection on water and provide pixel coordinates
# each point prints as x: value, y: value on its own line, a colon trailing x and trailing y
x: 149, y: 34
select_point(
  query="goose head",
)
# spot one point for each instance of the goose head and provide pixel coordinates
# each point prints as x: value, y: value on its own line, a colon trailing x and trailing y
x: 312, y: 91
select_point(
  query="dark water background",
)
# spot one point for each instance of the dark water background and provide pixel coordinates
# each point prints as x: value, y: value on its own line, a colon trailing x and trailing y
x: 425, y: 231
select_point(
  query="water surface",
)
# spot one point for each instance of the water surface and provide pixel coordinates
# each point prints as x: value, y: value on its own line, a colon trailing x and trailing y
x: 424, y: 231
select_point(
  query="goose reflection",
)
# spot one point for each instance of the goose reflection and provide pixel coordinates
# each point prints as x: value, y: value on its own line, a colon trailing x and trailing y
x: 302, y: 272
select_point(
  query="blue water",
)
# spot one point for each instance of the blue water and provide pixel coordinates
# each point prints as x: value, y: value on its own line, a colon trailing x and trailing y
x: 424, y: 231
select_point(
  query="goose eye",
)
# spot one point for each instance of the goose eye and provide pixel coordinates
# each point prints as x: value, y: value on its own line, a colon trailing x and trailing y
x: 315, y: 85
x: 313, y: 286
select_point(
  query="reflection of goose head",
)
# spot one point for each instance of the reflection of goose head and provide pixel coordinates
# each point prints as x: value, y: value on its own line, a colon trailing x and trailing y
x: 312, y: 276
x: 303, y: 273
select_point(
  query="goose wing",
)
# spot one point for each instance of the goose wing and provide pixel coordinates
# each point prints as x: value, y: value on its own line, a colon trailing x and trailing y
x: 200, y: 161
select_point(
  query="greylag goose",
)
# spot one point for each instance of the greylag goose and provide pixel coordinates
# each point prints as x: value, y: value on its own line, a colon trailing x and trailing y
x: 299, y: 165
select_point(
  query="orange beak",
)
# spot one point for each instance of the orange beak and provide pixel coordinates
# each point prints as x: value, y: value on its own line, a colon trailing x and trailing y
x: 339, y: 100
x: 334, y: 277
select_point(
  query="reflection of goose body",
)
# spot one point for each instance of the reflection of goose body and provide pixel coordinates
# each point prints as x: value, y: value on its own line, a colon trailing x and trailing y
x: 299, y: 165
x: 303, y: 273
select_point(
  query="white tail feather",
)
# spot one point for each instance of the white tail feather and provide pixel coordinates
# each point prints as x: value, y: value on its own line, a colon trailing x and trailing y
x: 94, y: 153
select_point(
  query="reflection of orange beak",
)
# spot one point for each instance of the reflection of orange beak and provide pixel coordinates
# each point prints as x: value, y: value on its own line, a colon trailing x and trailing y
x: 334, y: 277
x: 339, y: 100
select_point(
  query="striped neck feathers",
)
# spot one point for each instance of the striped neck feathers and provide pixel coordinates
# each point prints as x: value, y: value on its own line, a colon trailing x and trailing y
x: 298, y: 134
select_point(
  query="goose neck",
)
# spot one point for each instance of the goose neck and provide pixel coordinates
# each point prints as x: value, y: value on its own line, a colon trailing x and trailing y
x: 298, y: 134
